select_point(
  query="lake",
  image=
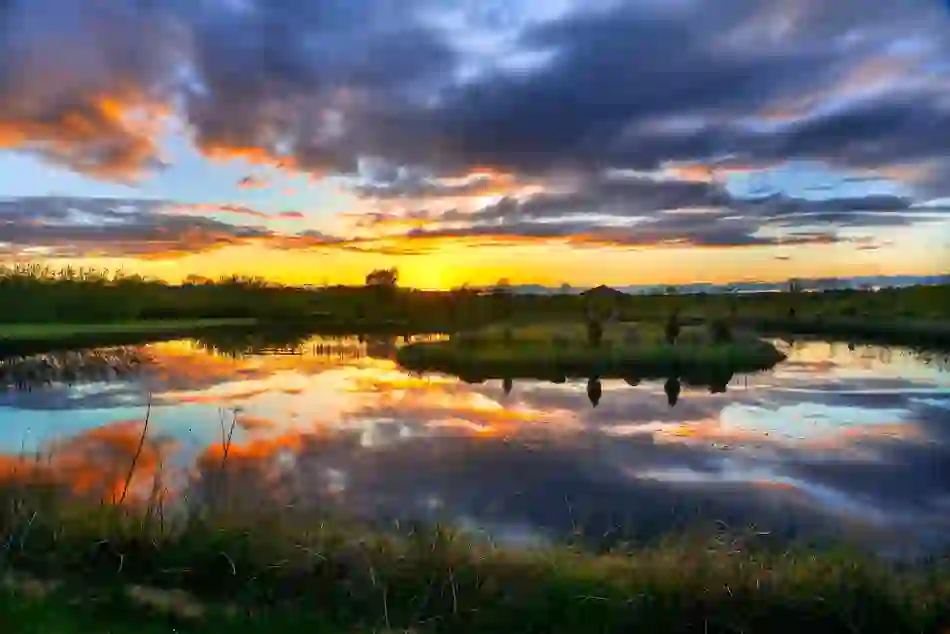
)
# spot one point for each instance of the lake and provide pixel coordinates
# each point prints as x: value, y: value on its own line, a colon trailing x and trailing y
x: 841, y: 442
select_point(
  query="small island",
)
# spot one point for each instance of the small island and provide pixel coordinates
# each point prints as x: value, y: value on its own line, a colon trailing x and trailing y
x: 699, y: 355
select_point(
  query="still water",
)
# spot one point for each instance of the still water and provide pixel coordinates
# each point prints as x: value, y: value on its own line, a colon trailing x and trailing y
x: 835, y: 442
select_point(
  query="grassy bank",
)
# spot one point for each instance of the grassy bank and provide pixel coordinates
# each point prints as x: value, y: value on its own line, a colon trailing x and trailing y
x: 45, y: 296
x: 893, y: 331
x: 278, y: 574
x: 23, y: 339
x: 50, y: 332
x: 554, y: 351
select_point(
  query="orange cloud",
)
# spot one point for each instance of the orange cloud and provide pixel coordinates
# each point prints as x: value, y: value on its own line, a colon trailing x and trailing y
x: 107, y: 135
x: 288, y: 215
x: 249, y: 422
x: 256, y: 450
x: 222, y: 151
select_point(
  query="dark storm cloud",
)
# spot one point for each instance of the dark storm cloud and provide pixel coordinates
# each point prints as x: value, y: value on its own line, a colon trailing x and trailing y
x: 697, y: 233
x: 107, y: 227
x: 893, y: 129
x: 421, y: 187
x: 641, y: 212
x: 614, y: 197
x: 636, y: 87
x: 324, y: 84
x: 282, y: 76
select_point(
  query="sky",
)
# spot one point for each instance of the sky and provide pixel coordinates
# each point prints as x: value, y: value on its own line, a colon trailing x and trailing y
x: 464, y: 141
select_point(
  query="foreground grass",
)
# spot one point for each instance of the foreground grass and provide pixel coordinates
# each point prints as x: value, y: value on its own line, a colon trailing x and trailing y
x: 30, y: 606
x: 282, y: 572
x: 561, y: 350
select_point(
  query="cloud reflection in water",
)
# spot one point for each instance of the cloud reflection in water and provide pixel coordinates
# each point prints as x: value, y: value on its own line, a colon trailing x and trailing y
x: 833, y: 441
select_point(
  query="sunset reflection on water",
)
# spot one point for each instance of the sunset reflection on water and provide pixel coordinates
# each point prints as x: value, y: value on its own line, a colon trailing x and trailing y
x: 834, y: 441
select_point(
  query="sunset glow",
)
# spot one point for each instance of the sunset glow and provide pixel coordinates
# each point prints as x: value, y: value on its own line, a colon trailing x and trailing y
x: 480, y: 151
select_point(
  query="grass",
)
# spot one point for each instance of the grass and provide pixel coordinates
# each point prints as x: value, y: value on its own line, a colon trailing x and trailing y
x: 894, y: 331
x: 46, y: 332
x: 28, y: 339
x: 277, y: 574
x: 31, y: 606
x: 136, y: 565
x: 561, y: 350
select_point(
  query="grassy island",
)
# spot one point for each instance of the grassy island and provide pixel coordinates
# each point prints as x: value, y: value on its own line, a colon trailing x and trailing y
x: 699, y: 355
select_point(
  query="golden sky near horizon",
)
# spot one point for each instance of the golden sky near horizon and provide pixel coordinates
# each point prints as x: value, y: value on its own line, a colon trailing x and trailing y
x: 542, y: 142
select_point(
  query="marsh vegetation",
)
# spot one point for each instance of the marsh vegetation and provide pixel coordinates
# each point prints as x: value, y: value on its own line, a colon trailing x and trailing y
x: 701, y: 355
x: 87, y: 306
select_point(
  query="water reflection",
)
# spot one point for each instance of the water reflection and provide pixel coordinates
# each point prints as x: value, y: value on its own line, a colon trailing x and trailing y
x: 831, y: 442
x: 672, y: 389
x: 594, y: 391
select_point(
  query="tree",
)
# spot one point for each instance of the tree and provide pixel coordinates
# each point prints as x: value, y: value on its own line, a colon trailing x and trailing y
x: 383, y: 277
x: 672, y: 329
x: 502, y: 299
x: 502, y: 286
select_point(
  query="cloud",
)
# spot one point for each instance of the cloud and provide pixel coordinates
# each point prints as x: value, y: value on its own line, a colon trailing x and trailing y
x: 446, y: 88
x: 107, y: 227
x: 637, y: 211
x: 405, y: 184
x: 240, y: 210
x: 288, y: 215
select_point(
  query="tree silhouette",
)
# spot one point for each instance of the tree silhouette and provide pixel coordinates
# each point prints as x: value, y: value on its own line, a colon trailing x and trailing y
x: 502, y: 298
x: 386, y: 278
x: 720, y: 383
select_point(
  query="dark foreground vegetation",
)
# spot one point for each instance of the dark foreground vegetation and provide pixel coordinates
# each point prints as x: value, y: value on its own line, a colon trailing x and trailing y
x: 37, y: 295
x: 42, y: 295
x: 74, y: 567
